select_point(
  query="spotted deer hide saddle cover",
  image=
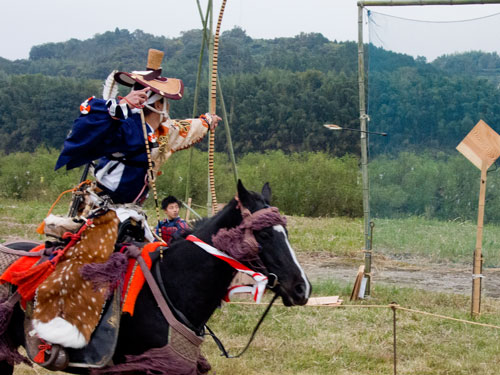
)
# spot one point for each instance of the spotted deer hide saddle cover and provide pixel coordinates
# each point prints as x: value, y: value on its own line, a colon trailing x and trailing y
x: 68, y: 308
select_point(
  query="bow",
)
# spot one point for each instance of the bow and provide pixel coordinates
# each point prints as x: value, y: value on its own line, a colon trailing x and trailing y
x: 213, y: 104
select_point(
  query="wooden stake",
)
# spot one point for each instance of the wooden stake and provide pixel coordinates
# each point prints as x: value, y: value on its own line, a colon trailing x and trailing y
x: 357, y: 283
x: 476, y: 273
x: 190, y: 200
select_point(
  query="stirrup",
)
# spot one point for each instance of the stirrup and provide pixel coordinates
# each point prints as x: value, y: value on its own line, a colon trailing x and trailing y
x: 58, y: 359
x: 55, y: 358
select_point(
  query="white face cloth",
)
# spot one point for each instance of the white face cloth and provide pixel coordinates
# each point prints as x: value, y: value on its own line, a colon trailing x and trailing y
x: 153, y: 97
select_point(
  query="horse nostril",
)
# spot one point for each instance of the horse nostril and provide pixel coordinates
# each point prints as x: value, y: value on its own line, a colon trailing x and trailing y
x: 300, y: 289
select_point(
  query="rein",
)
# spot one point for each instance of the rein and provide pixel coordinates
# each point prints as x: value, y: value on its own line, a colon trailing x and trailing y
x: 254, y: 332
x: 258, y: 220
x: 187, y: 323
x: 185, y: 328
x: 23, y: 253
x: 225, y: 239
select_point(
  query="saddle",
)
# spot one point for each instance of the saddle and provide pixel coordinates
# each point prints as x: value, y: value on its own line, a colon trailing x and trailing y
x: 100, y: 338
x: 96, y: 354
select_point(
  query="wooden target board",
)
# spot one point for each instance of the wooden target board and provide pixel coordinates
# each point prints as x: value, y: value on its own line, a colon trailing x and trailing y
x: 481, y: 145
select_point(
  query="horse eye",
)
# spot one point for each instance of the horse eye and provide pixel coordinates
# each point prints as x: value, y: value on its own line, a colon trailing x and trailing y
x: 264, y: 235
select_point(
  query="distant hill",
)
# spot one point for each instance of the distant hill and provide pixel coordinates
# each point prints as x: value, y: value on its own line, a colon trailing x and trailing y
x: 480, y: 64
x: 278, y: 92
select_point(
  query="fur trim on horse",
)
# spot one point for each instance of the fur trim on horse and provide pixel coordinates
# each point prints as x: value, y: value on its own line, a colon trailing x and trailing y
x: 239, y: 242
x: 111, y: 273
x: 10, y: 354
x: 158, y: 361
x: 21, y: 264
x: 6, y: 309
x: 56, y: 226
x: 67, y: 307
x: 59, y: 330
x: 7, y: 352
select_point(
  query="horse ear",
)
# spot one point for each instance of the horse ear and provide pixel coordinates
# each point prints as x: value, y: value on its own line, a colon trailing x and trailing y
x: 243, y: 193
x: 266, y: 192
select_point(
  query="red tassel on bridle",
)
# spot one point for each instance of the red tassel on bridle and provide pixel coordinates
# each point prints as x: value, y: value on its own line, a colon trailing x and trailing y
x: 40, y: 357
x: 28, y: 281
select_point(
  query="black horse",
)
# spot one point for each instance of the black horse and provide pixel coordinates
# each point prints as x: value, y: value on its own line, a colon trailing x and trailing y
x: 196, y: 282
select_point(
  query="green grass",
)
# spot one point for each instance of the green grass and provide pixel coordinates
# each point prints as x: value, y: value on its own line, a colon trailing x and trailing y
x: 350, y: 340
x: 19, y: 219
x: 339, y: 236
x: 440, y: 241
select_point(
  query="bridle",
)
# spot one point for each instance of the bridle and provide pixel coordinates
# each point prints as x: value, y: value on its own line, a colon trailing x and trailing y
x: 240, y: 242
x: 257, y: 220
x: 201, y: 332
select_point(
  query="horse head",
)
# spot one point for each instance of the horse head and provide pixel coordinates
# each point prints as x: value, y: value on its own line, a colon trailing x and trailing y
x: 266, y: 248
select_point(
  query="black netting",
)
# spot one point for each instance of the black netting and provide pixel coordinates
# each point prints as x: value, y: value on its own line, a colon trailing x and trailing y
x: 428, y: 84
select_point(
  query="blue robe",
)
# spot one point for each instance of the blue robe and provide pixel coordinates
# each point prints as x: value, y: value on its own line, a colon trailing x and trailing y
x: 119, y: 144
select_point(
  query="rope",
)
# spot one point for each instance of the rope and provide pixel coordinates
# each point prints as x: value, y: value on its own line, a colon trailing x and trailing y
x: 131, y: 105
x: 444, y: 317
x: 42, y: 224
x: 427, y: 21
x: 65, y: 192
x: 213, y: 105
x: 392, y: 306
x: 150, y: 165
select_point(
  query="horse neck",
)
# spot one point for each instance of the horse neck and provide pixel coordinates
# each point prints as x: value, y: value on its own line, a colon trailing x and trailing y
x: 229, y: 217
x: 196, y: 281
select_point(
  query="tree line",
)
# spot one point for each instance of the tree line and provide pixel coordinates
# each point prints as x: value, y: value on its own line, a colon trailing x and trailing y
x: 306, y: 183
x: 431, y: 185
x: 278, y: 92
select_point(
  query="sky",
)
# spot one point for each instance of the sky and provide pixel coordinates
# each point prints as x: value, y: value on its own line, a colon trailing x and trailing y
x: 26, y: 23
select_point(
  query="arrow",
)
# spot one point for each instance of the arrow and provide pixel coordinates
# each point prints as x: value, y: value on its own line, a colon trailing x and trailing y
x: 336, y: 127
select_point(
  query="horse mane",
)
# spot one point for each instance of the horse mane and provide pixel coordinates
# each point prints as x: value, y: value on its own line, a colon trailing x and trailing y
x: 200, y: 224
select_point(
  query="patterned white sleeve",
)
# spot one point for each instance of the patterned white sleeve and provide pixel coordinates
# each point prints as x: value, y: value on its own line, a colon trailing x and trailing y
x: 117, y: 110
x: 180, y: 134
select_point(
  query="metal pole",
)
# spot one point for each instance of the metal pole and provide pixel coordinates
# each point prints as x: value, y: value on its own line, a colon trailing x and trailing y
x: 204, y: 20
x: 364, y: 149
x: 370, y: 3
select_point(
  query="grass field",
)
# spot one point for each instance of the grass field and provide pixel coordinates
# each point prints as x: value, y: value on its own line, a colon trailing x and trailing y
x: 348, y: 340
x: 439, y: 241
x: 351, y: 340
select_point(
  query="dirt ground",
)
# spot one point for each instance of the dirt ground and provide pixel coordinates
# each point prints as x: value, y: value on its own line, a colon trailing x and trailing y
x: 413, y: 273
x: 416, y: 273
